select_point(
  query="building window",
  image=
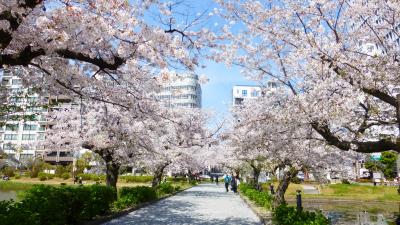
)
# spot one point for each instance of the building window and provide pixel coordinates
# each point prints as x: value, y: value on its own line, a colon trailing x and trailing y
x: 16, y: 81
x: 29, y: 127
x: 32, y: 99
x: 12, y: 127
x: 244, y: 93
x: 41, y: 137
x: 28, y: 137
x: 254, y: 93
x: 42, y: 128
x: 9, y: 146
x: 10, y: 137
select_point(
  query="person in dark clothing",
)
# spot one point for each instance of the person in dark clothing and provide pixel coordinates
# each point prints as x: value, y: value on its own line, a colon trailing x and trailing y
x: 216, y: 179
x: 212, y: 179
x: 234, y: 184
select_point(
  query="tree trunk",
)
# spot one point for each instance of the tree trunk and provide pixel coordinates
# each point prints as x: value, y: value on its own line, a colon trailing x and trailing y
x: 158, y: 175
x: 256, y: 174
x: 112, y: 174
x: 279, y: 197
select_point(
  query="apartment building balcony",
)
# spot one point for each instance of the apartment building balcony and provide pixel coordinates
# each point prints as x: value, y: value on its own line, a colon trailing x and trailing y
x: 58, y: 157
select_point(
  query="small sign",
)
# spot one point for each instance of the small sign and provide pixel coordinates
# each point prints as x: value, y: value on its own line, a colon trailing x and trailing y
x: 376, y: 156
x: 377, y: 175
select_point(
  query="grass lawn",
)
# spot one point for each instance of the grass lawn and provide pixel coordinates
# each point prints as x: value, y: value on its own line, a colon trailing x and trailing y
x: 353, y: 192
x: 25, y: 183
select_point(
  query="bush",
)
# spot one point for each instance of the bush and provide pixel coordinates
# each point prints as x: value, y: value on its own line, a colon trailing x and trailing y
x: 295, y: 180
x: 288, y: 215
x: 138, y: 179
x: 17, y: 176
x: 60, y: 170
x: 65, y: 176
x: 8, y: 171
x: 42, y: 176
x: 57, y: 205
x: 177, y: 188
x: 177, y: 179
x: 129, y: 196
x: 85, y: 176
x: 88, y: 176
x: 261, y: 198
x: 345, y: 181
x: 165, y: 188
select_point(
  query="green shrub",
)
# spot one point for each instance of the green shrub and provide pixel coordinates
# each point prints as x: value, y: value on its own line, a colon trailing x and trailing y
x: 60, y: 170
x: 138, y: 179
x: 165, y: 188
x: 129, y: 196
x: 85, y: 176
x: 295, y: 180
x: 47, y: 205
x: 8, y: 171
x: 95, y: 177
x: 345, y: 181
x: 288, y: 215
x: 42, y: 176
x: 261, y: 198
x: 177, y: 179
x: 177, y: 188
x: 65, y: 176
x: 17, y: 176
x: 15, y: 213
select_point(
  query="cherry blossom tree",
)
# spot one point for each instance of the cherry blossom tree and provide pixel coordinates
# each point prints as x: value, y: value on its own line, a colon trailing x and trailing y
x: 337, y: 58
x: 83, y: 46
x: 110, y: 55
x: 104, y: 129
x: 174, y: 143
x: 264, y: 134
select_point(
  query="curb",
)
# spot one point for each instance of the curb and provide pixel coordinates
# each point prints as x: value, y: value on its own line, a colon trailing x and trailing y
x: 263, y: 220
x: 124, y: 212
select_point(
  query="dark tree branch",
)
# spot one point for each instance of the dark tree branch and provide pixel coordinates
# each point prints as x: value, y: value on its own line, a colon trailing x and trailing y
x: 360, y: 146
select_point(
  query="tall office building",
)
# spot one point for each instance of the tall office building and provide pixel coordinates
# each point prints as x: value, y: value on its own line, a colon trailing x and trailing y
x: 181, y: 90
x: 23, y: 130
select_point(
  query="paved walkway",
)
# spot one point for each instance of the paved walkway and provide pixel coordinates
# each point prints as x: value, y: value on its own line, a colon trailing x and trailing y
x: 205, y: 204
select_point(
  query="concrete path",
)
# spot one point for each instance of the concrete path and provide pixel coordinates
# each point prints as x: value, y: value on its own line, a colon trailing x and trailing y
x: 308, y: 189
x: 205, y: 204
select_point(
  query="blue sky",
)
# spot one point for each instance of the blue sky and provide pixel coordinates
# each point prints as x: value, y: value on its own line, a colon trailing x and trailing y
x: 217, y: 93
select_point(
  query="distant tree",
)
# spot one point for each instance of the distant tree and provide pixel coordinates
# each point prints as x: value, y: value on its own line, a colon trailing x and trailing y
x: 387, y: 164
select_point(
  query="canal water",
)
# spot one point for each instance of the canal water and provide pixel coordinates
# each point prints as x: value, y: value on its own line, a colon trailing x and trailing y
x: 355, y: 212
x: 8, y: 195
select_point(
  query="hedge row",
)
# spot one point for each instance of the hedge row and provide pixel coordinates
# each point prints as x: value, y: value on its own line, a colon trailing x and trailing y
x: 261, y: 198
x: 138, y: 179
x: 43, y: 205
x: 146, y: 179
x: 130, y: 196
x: 88, y: 176
x: 283, y: 214
x: 289, y: 215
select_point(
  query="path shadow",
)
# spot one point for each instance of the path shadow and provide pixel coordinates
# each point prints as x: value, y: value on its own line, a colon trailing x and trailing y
x: 178, y: 211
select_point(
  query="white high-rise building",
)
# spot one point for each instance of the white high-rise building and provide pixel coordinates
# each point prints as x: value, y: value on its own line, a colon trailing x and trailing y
x: 23, y: 131
x: 181, y: 90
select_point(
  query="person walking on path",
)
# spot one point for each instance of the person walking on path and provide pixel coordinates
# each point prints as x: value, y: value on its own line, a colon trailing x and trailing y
x: 234, y: 184
x: 227, y: 180
x: 216, y: 179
